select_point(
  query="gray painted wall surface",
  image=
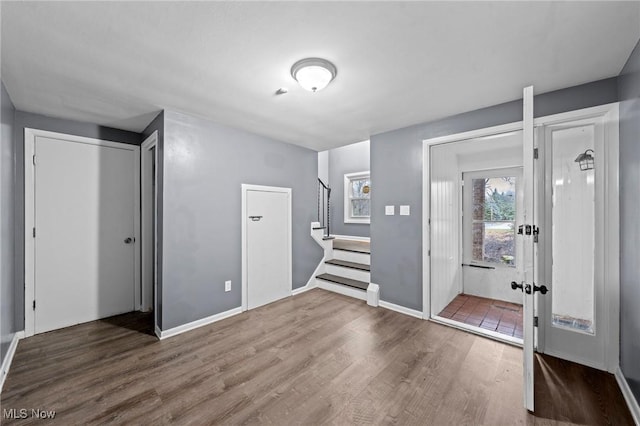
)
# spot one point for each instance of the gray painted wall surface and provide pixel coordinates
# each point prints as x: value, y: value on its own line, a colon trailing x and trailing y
x: 396, y: 167
x: 629, y: 92
x: 158, y: 124
x: 7, y: 267
x: 36, y: 121
x: 347, y: 159
x: 204, y: 167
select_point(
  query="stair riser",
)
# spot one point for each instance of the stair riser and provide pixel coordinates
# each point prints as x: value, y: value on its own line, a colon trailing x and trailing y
x: 354, y: 274
x: 342, y: 289
x: 352, y: 256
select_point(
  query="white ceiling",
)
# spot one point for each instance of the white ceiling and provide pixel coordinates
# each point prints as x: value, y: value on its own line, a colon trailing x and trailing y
x: 398, y: 64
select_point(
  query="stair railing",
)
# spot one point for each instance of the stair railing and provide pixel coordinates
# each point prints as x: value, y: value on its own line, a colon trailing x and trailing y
x: 324, y: 193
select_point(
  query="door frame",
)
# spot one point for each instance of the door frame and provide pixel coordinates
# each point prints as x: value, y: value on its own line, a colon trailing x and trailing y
x: 145, y: 245
x: 245, y: 188
x: 611, y: 212
x: 30, y: 135
x: 426, y: 210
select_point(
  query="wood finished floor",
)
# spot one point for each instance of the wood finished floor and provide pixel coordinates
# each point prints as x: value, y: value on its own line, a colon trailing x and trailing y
x: 316, y: 358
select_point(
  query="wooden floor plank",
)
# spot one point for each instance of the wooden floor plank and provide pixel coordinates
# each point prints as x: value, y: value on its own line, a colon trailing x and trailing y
x: 315, y: 358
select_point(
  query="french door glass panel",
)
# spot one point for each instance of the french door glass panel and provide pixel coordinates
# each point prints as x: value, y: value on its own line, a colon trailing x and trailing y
x: 573, y: 232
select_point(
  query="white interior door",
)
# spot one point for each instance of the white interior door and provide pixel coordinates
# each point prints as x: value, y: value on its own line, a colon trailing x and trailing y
x: 84, y: 245
x: 268, y: 245
x: 526, y: 241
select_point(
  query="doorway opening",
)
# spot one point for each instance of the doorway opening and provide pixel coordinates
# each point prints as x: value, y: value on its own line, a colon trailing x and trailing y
x: 475, y: 205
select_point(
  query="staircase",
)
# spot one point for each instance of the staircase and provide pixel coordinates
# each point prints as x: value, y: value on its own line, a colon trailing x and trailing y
x: 349, y: 265
x: 345, y: 268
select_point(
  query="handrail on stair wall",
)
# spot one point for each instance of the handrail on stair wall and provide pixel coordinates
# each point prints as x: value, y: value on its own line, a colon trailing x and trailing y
x: 324, y: 191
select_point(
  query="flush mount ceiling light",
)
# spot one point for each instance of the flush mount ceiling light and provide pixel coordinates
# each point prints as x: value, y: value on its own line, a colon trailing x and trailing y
x: 313, y: 74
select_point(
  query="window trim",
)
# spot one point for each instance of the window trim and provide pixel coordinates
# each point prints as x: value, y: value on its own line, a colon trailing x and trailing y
x: 468, y: 221
x: 346, y: 199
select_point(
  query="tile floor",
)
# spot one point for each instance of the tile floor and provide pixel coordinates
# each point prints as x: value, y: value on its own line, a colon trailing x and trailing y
x: 494, y: 315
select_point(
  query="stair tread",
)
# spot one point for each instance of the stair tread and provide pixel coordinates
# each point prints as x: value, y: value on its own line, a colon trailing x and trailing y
x: 352, y: 245
x: 347, y: 264
x: 319, y: 227
x: 344, y: 281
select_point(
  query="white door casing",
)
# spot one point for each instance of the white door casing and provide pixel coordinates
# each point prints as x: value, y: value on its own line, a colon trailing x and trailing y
x: 266, y: 245
x: 81, y: 198
x: 148, y: 240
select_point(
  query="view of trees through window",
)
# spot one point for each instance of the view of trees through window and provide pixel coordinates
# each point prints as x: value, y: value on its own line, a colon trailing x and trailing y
x: 360, y: 197
x: 494, y: 215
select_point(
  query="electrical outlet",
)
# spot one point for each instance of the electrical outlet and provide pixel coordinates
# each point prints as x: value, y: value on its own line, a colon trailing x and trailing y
x: 227, y: 286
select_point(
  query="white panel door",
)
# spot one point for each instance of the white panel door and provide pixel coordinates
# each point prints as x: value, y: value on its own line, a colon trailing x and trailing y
x: 84, y: 216
x: 268, y: 247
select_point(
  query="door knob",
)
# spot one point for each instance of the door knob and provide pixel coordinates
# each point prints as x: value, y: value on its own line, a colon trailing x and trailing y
x: 128, y: 240
x: 542, y: 289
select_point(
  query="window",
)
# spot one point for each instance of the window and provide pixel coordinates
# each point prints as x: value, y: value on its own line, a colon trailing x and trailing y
x: 490, y: 216
x: 357, y: 197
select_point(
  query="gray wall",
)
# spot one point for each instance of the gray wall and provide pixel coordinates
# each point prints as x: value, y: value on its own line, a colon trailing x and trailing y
x: 8, y: 325
x: 629, y: 93
x: 158, y: 125
x: 204, y: 167
x: 35, y: 121
x: 347, y: 159
x: 396, y: 167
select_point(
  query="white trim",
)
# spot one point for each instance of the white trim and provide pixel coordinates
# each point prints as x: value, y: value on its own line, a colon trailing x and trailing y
x: 631, y: 400
x: 401, y: 309
x: 585, y: 113
x: 310, y: 286
x: 8, y: 358
x: 29, y: 212
x: 351, y: 237
x: 341, y: 289
x: 475, y: 134
x: 150, y: 143
x: 199, y: 323
x: 243, y: 220
x: 494, y: 335
x: 346, y: 198
x: 612, y: 235
x: 158, y: 331
x: 311, y: 283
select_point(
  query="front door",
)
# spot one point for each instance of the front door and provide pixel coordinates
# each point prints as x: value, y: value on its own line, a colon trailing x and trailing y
x: 84, y: 241
x: 268, y: 244
x: 579, y: 314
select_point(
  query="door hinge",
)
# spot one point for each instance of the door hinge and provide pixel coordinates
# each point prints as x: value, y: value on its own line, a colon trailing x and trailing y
x: 535, y: 321
x: 34, y: 160
x: 536, y: 231
x: 535, y: 153
x: 34, y: 305
x: 34, y: 232
x: 429, y: 253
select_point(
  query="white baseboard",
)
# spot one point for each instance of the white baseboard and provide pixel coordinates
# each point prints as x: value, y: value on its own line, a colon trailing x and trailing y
x: 6, y: 363
x: 199, y: 323
x: 632, y: 403
x: 351, y: 237
x: 158, y: 332
x: 310, y: 286
x: 401, y: 309
x: 341, y: 289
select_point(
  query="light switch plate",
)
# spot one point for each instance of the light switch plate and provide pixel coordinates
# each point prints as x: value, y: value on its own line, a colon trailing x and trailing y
x: 405, y: 210
x: 389, y: 210
x: 227, y: 286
